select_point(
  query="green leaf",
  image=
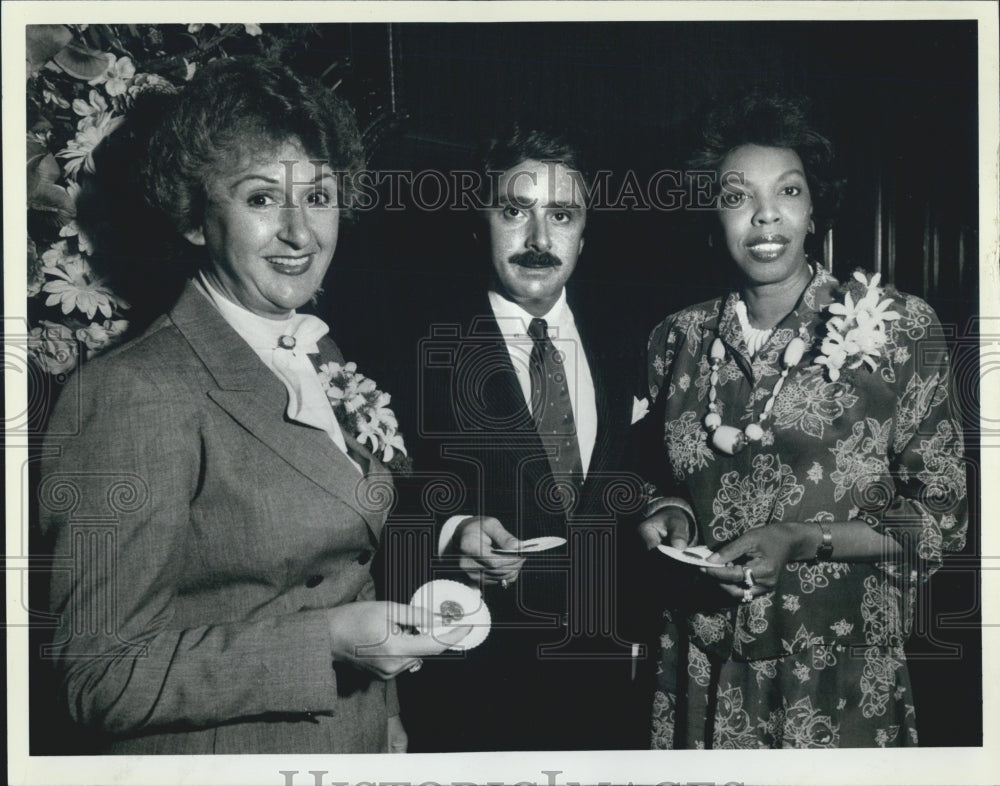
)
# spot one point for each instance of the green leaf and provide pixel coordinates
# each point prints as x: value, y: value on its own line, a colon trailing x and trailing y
x: 54, y: 203
x: 81, y: 62
x: 53, y: 199
x: 44, y: 42
x: 93, y: 35
x: 43, y: 169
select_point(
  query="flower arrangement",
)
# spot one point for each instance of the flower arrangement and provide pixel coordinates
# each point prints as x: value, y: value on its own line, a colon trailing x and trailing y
x: 83, y: 81
x: 363, y: 410
x: 856, y: 332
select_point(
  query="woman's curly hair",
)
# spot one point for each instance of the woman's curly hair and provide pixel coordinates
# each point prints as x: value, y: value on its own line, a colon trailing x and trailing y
x: 771, y: 119
x: 230, y: 110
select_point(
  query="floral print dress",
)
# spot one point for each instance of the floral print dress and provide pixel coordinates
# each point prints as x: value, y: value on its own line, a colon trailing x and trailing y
x: 818, y: 662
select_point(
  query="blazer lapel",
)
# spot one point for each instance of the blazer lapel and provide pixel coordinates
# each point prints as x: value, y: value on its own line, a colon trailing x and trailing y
x: 374, y: 489
x: 502, y: 398
x: 256, y: 399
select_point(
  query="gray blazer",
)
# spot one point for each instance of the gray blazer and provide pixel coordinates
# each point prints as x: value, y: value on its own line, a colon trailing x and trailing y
x: 207, y: 536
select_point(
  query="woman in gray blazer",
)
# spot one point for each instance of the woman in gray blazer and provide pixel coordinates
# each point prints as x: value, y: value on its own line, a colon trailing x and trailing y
x: 219, y: 519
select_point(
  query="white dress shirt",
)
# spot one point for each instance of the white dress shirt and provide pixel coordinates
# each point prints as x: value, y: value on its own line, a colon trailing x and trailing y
x: 513, y: 322
x: 307, y: 401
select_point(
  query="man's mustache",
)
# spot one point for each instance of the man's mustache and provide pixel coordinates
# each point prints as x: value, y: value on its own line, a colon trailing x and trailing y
x: 535, y: 259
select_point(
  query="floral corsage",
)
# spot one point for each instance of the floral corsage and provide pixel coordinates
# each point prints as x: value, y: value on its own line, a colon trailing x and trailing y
x: 856, y: 331
x: 363, y: 411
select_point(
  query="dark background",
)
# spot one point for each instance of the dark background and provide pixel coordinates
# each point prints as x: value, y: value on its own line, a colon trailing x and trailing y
x: 899, y: 100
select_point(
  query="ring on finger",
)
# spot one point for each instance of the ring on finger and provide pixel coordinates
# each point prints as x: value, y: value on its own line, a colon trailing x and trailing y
x: 748, y: 577
x: 504, y: 583
x: 747, y: 595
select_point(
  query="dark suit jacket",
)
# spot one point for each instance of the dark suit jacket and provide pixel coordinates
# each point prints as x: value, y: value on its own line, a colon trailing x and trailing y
x: 208, y: 535
x: 558, y: 626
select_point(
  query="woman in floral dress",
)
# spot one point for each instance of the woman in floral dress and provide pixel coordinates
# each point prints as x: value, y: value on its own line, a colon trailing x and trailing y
x: 813, y: 444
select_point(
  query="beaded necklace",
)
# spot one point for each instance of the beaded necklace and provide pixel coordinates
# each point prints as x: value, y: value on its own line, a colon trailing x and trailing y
x: 729, y: 439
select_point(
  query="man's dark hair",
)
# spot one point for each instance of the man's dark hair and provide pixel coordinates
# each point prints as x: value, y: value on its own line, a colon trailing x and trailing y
x: 516, y: 144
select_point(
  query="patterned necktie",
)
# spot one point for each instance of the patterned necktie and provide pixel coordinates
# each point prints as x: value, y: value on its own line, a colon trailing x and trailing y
x: 551, y: 405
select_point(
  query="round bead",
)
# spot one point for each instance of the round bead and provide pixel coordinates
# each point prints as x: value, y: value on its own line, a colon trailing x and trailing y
x: 793, y: 352
x: 713, y: 420
x: 728, y: 440
x: 754, y: 432
x: 286, y: 342
x: 718, y: 350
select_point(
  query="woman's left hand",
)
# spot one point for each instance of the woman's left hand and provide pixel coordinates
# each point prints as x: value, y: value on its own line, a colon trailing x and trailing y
x: 762, y: 554
x: 398, y: 741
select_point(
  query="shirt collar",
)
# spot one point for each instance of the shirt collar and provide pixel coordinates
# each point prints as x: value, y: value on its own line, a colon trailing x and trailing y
x: 259, y: 332
x: 514, y: 320
x: 818, y: 294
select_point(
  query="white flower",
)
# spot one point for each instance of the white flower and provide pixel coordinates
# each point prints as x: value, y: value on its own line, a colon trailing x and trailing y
x: 189, y: 69
x: 52, y: 97
x: 53, y: 348
x: 856, y: 332
x: 362, y: 409
x: 640, y: 408
x: 115, y: 79
x: 91, y: 109
x: 79, y: 151
x: 78, y: 288
x: 72, y: 229
x: 252, y: 29
x: 842, y: 627
x: 56, y: 253
x: 101, y: 335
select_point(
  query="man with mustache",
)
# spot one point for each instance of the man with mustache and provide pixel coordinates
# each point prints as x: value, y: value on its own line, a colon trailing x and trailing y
x: 531, y: 407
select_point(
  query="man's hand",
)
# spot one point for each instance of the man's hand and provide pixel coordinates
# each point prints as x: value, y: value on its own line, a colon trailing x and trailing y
x: 474, y: 539
x: 381, y: 637
x: 667, y: 524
